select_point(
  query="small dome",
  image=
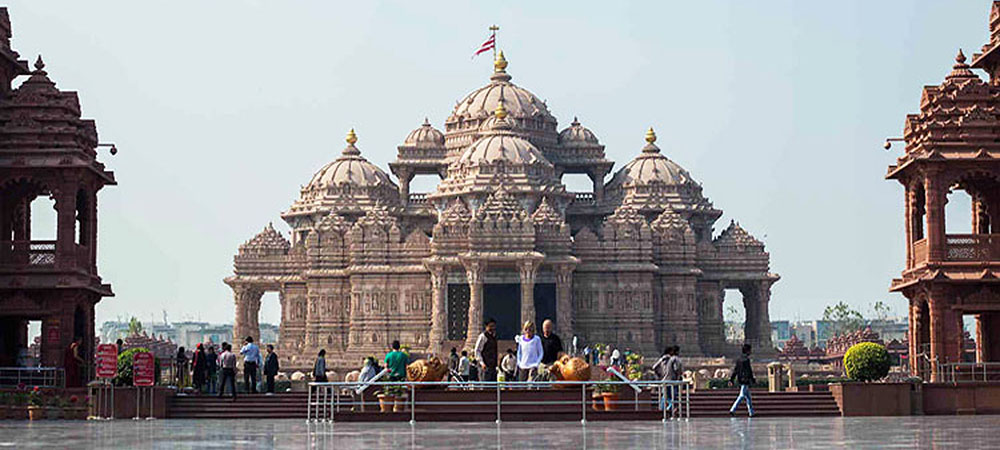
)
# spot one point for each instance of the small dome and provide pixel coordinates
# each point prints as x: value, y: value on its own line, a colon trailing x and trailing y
x: 425, y: 136
x: 509, y: 148
x: 650, y: 167
x: 350, y: 168
x: 576, y: 135
x: 520, y: 102
x: 266, y: 243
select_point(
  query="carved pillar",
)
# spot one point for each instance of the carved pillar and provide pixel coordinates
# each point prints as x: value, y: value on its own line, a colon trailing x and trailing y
x: 764, y: 317
x: 597, y: 178
x: 65, y: 227
x: 405, y: 176
x: 527, y: 270
x: 474, y: 271
x: 908, y: 213
x: 913, y: 337
x: 988, y: 337
x: 935, y: 216
x: 439, y: 312
x: 945, y: 332
x: 247, y: 300
x: 564, y: 306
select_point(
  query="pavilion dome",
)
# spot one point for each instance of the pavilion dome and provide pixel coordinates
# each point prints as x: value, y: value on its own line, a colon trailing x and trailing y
x: 577, y: 135
x: 351, y: 169
x: 499, y: 143
x: 650, y: 167
x: 425, y: 136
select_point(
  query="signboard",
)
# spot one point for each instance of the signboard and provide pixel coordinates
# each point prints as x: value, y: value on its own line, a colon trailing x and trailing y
x: 52, y: 333
x: 107, y: 360
x: 143, y: 369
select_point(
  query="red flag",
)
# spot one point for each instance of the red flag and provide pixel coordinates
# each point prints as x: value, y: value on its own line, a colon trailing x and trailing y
x: 487, y: 46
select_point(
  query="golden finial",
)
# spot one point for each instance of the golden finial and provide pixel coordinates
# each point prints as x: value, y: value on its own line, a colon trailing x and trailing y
x: 650, y: 135
x: 500, y: 64
x: 501, y: 112
x: 351, y: 137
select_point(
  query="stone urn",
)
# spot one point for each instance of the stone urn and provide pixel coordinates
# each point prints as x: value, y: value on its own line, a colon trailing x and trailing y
x: 597, y: 401
x: 36, y: 412
x: 386, y: 402
x: 399, y: 403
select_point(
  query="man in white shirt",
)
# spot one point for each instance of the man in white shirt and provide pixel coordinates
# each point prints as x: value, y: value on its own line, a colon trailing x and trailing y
x: 251, y: 361
x: 463, y: 366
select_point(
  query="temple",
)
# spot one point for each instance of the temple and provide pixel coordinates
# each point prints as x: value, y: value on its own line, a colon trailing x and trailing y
x: 633, y: 262
x: 48, y: 159
x: 953, y: 144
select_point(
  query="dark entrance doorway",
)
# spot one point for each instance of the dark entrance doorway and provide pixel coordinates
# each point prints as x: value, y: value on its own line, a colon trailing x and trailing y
x: 502, y: 302
x: 545, y: 305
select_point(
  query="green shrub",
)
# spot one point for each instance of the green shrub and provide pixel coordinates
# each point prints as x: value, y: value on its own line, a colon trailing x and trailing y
x: 124, y: 377
x: 867, y: 361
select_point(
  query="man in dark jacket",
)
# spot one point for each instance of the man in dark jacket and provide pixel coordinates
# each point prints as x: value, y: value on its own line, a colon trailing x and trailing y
x: 551, y: 344
x: 743, y: 374
x: 270, y: 368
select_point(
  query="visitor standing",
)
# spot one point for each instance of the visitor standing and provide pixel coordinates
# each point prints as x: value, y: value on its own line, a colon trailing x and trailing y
x: 453, y: 363
x: 463, y: 366
x: 198, y: 367
x: 551, y: 344
x: 486, y: 351
x: 743, y: 374
x: 270, y: 368
x: 529, y: 352
x: 121, y: 345
x: 396, y: 361
x: 227, y: 360
x: 181, y: 366
x: 73, y: 362
x: 251, y: 362
x: 509, y: 365
x: 319, y: 368
x: 211, y: 368
x: 574, y: 348
x: 616, y: 358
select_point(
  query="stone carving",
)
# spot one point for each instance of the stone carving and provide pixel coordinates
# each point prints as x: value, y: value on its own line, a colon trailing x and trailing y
x: 426, y: 370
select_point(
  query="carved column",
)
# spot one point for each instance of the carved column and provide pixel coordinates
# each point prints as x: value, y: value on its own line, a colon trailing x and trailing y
x: 247, y: 300
x: 946, y: 332
x: 764, y: 317
x: 935, y: 216
x: 474, y: 271
x: 597, y: 178
x: 65, y: 227
x: 527, y: 270
x: 908, y: 219
x: 564, y: 307
x: 439, y: 313
x: 405, y: 176
x: 913, y: 337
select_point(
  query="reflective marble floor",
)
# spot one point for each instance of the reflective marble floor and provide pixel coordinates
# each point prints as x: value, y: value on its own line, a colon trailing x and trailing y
x: 969, y: 432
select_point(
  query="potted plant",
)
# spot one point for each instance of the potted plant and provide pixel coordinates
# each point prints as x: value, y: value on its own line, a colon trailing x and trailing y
x: 54, y: 408
x: 16, y: 408
x: 386, y: 399
x: 611, y: 393
x: 36, y: 404
x: 597, y: 400
x: 76, y: 409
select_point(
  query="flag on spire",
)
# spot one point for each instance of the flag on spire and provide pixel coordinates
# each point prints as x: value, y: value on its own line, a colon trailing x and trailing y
x: 490, y: 43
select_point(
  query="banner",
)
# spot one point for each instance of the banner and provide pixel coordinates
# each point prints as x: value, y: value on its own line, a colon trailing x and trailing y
x: 107, y: 361
x: 143, y: 369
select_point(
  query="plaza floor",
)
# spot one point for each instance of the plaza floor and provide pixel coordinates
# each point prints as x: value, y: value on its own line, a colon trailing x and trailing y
x: 970, y: 432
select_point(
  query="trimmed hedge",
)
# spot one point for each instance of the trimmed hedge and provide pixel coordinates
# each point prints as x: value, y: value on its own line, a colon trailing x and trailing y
x: 867, y: 361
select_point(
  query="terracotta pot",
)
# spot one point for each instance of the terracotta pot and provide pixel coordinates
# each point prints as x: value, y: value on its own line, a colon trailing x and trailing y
x: 399, y: 405
x: 597, y: 402
x: 610, y: 400
x: 385, y: 402
x: 36, y: 413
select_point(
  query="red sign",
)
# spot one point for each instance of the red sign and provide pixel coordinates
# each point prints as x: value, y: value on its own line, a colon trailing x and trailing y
x: 107, y: 360
x: 143, y: 369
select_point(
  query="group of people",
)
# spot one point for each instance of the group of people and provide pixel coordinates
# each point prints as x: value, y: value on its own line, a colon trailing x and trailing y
x: 533, y: 351
x: 210, y: 372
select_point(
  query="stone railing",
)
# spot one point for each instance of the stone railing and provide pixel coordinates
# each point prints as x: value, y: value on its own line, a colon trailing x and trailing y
x: 417, y: 198
x: 920, y: 251
x: 973, y: 247
x: 585, y: 198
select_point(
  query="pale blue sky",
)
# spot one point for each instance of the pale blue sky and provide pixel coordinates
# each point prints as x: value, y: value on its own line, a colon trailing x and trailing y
x: 222, y: 110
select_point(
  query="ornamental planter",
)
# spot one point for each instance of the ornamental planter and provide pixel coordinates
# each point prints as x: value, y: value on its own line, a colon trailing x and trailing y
x: 36, y: 413
x: 597, y: 402
x: 53, y: 413
x: 400, y: 404
x: 385, y: 402
x: 611, y: 400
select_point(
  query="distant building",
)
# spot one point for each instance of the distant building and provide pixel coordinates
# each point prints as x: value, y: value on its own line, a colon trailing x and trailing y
x: 188, y: 334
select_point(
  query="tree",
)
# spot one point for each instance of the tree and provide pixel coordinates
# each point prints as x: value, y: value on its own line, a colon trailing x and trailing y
x: 134, y: 326
x: 881, y: 310
x: 843, y: 318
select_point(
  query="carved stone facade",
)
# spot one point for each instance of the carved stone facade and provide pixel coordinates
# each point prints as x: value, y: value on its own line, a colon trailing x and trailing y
x: 953, y: 144
x: 47, y: 151
x: 633, y: 262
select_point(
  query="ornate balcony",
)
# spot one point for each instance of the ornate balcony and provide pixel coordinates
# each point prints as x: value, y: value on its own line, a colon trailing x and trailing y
x: 961, y: 248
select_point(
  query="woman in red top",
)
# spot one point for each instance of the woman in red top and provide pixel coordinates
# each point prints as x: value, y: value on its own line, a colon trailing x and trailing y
x: 72, y: 361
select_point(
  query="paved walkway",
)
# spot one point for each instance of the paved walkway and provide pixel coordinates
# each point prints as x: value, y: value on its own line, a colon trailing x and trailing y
x: 968, y: 433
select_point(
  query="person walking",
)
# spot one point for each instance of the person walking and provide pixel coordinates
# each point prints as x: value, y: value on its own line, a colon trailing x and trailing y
x: 669, y: 368
x: 270, y: 368
x: 463, y: 366
x: 486, y: 351
x: 211, y: 368
x: 396, y: 361
x: 743, y: 374
x: 551, y: 343
x: 198, y: 367
x: 453, y: 363
x: 509, y: 366
x: 319, y: 368
x: 227, y: 360
x: 529, y: 352
x: 251, y: 362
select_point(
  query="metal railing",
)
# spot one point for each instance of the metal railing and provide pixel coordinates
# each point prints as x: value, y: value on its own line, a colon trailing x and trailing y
x: 50, y: 377
x: 670, y: 399
x: 969, y: 372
